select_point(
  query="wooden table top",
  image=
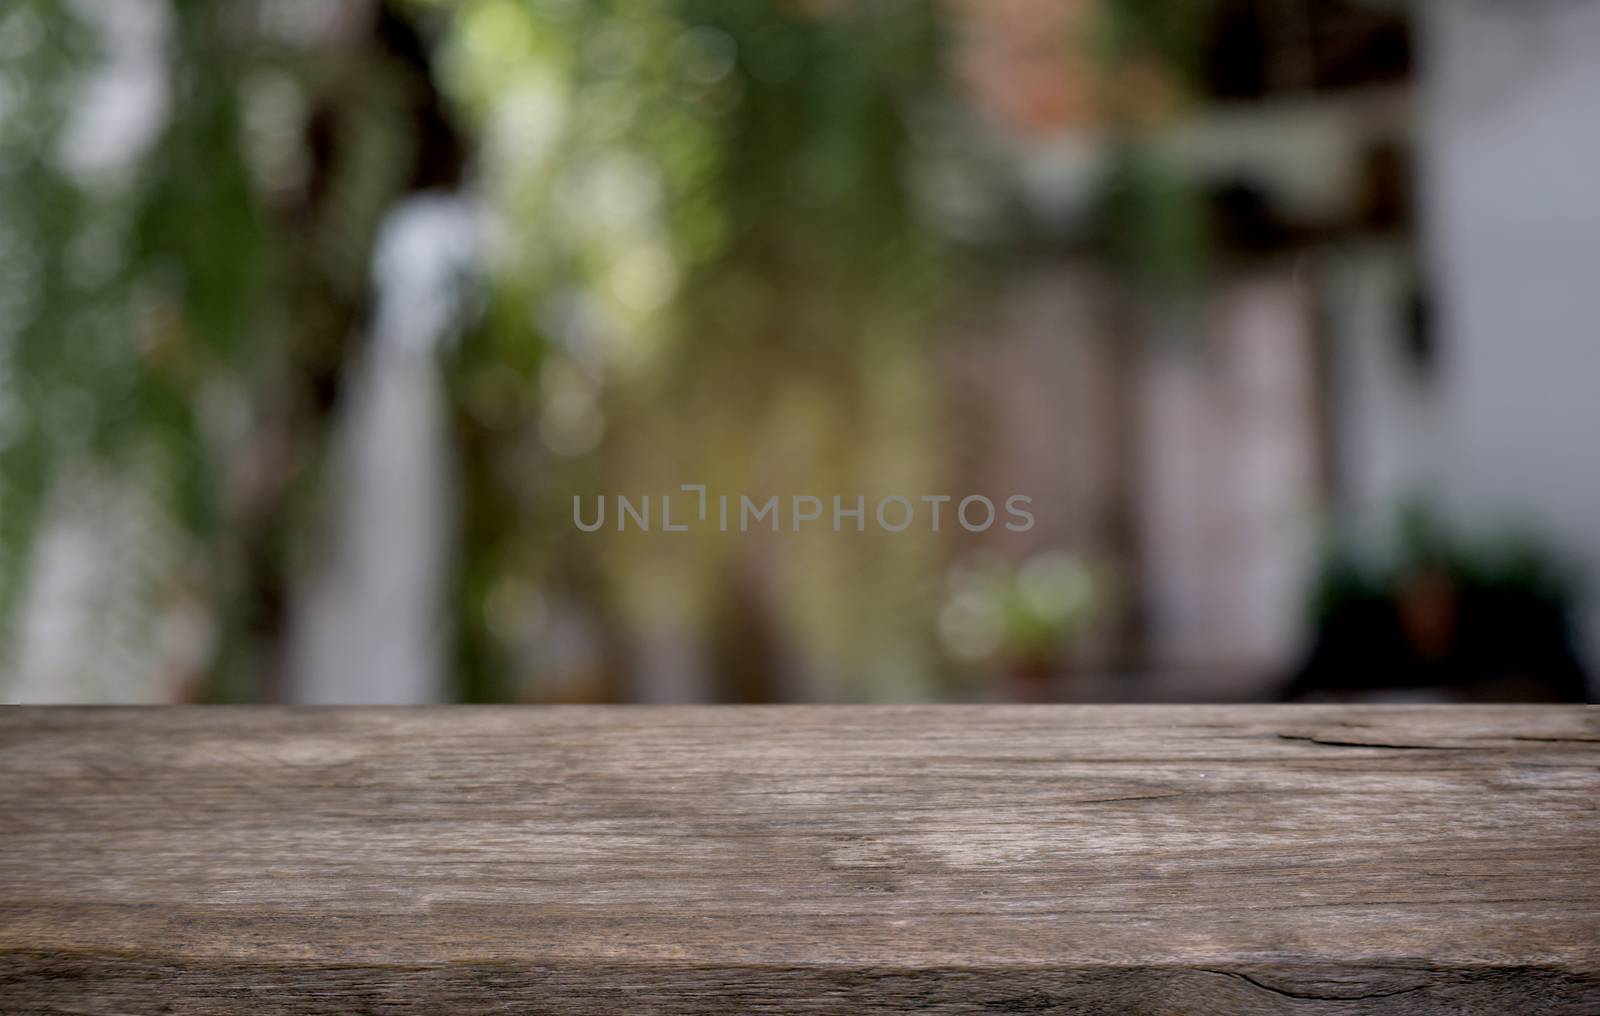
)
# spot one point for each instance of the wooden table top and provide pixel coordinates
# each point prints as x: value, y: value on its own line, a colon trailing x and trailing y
x: 801, y: 859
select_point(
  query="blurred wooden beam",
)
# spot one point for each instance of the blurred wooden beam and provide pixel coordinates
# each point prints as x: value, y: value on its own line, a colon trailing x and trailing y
x: 1100, y: 859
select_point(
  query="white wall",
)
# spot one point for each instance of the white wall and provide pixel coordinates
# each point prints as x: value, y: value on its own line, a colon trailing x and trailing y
x: 1511, y: 154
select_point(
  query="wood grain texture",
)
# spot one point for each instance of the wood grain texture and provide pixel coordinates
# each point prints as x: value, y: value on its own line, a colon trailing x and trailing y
x: 828, y: 860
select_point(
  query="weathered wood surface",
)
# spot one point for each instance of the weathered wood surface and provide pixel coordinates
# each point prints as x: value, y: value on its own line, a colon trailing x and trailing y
x: 829, y: 860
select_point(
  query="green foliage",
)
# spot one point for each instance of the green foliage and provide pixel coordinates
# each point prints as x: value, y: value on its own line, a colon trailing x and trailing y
x: 1165, y: 32
x: 173, y: 326
x: 710, y: 229
x: 136, y: 288
x: 1155, y: 220
x: 1505, y: 562
x: 710, y: 256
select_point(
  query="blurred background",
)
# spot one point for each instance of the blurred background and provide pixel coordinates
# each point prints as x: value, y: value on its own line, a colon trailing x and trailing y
x: 316, y: 315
